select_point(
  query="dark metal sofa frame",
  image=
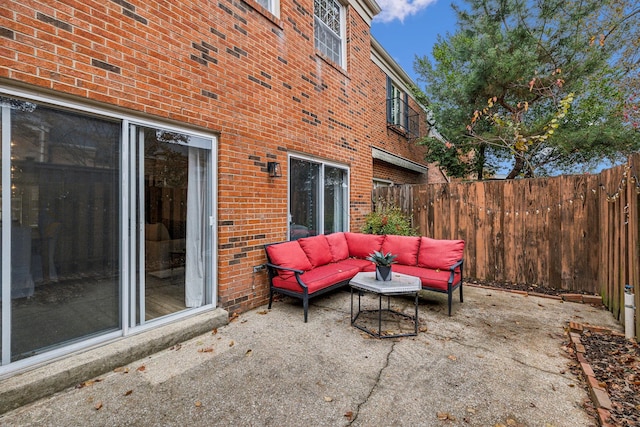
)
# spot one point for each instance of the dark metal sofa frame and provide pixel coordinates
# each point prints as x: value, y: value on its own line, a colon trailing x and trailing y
x: 304, y: 294
x: 450, y: 285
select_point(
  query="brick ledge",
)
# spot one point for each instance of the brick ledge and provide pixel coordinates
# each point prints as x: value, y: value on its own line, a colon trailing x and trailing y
x: 594, y: 300
x: 598, y: 394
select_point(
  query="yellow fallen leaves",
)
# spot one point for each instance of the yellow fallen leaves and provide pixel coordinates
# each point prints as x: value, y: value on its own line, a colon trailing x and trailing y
x: 445, y: 416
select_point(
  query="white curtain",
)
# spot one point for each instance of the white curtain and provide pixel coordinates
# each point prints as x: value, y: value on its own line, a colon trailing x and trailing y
x: 194, y: 261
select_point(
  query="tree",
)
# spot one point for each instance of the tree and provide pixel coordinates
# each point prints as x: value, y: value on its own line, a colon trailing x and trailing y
x: 537, y: 84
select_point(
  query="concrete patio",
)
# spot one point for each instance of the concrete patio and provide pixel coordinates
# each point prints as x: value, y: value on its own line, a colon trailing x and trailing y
x: 497, y: 360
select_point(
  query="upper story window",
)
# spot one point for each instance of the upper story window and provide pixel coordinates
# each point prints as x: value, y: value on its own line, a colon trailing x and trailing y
x: 329, y: 28
x: 271, y: 5
x: 400, y: 116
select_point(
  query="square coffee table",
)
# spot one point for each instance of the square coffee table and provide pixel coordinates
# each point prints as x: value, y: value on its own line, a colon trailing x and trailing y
x: 400, y: 284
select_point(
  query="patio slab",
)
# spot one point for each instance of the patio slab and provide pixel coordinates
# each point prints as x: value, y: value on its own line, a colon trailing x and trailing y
x: 497, y: 359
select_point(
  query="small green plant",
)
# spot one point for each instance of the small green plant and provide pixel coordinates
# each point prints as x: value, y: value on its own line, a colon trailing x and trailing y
x: 388, y: 221
x: 381, y: 259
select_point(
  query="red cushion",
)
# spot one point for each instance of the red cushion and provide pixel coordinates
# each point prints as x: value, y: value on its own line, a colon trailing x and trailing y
x: 362, y: 245
x: 317, y: 250
x: 440, y: 254
x: 405, y: 247
x: 362, y: 264
x: 432, y: 279
x: 338, y: 244
x: 288, y: 254
x: 317, y: 279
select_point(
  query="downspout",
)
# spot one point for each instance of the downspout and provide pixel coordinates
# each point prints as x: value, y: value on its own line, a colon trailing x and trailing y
x: 629, y: 312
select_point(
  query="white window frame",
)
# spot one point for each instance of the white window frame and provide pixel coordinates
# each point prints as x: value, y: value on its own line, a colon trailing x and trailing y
x: 323, y: 163
x: 272, y: 6
x: 126, y: 254
x: 342, y: 57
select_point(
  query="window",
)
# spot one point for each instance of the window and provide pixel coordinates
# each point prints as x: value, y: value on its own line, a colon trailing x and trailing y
x: 400, y: 116
x: 318, y: 198
x: 271, y: 5
x: 328, y: 29
x: 76, y: 185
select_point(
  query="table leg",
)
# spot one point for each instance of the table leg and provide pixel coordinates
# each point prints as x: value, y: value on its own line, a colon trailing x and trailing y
x: 380, y: 316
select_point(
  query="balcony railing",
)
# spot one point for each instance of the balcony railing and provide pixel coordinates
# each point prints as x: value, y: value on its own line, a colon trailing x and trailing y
x: 403, y: 119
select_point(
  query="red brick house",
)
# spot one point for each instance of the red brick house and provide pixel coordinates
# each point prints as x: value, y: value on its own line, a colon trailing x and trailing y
x: 150, y: 149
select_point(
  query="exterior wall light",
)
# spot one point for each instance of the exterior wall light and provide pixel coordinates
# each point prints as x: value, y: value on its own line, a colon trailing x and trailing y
x: 274, y: 169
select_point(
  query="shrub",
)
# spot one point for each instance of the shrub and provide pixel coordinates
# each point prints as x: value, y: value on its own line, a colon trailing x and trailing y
x: 388, y: 221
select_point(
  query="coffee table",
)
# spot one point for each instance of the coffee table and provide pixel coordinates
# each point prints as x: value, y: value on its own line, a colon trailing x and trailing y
x: 400, y: 284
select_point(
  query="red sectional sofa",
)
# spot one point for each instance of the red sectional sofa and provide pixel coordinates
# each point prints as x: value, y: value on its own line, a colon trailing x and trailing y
x: 312, y: 266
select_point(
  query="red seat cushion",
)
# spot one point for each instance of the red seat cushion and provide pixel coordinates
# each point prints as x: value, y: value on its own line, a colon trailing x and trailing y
x: 361, y: 264
x: 405, y: 247
x: 440, y: 254
x: 319, y: 278
x: 317, y: 249
x: 434, y: 279
x: 338, y: 244
x: 362, y: 245
x: 288, y: 254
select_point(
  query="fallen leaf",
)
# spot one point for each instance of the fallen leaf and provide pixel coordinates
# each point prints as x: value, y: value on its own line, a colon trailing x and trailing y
x: 205, y: 350
x: 176, y: 347
x: 328, y: 399
x: 141, y: 368
x: 349, y: 415
x: 263, y: 312
x: 231, y: 343
x: 198, y: 404
x: 88, y: 383
x: 423, y: 329
x: 214, y: 331
x: 445, y: 416
x: 119, y: 369
x: 248, y: 353
x: 233, y: 316
x: 128, y: 392
x: 471, y: 410
x: 98, y: 406
x: 452, y: 357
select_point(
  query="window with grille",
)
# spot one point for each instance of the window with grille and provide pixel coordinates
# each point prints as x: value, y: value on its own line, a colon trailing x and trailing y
x: 328, y: 29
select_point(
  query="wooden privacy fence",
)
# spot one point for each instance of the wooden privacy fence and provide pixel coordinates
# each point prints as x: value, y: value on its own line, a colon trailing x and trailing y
x: 576, y: 232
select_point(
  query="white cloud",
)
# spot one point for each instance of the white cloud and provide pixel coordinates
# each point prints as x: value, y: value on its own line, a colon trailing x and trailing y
x: 400, y: 9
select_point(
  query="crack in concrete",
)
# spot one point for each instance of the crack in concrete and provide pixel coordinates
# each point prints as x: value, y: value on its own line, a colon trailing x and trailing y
x: 375, y: 384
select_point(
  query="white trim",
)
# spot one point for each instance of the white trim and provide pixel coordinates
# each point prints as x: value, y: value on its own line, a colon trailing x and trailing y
x: 5, y: 282
x: 367, y: 9
x: 385, y: 156
x: 390, y: 67
x: 127, y: 309
x: 323, y: 163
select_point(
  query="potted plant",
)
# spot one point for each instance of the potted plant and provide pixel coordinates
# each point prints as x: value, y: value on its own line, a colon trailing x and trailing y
x: 383, y: 264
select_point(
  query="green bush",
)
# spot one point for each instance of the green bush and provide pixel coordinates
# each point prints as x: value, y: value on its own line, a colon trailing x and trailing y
x: 388, y: 221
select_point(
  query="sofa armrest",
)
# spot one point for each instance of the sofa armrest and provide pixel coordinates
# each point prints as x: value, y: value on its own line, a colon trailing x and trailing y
x: 456, y: 265
x: 453, y: 268
x: 279, y: 267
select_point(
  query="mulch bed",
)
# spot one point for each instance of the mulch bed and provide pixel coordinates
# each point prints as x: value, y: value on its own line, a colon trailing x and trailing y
x: 614, y: 359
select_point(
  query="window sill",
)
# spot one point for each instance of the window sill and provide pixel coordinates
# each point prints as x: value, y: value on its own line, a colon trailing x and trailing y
x: 265, y: 13
x: 398, y: 129
x: 331, y: 63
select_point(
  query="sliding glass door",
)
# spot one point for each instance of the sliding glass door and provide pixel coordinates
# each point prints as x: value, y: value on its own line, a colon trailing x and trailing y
x: 60, y: 227
x: 173, y: 212
x: 107, y: 226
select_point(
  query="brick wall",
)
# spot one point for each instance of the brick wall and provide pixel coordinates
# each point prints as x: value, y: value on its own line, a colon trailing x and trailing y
x: 228, y: 67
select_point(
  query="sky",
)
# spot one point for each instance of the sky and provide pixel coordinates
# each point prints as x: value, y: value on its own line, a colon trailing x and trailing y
x: 406, y: 28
